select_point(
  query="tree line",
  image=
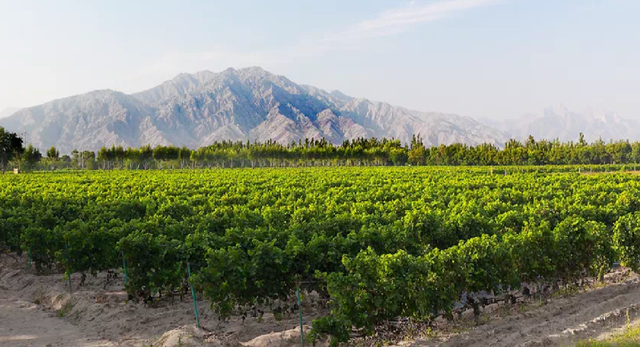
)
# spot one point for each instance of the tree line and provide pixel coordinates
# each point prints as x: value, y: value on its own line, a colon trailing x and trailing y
x: 320, y: 152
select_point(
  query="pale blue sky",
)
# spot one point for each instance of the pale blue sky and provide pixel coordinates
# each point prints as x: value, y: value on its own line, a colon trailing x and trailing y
x: 480, y: 58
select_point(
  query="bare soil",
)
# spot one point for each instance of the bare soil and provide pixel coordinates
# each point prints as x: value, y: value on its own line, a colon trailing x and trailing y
x: 38, y: 310
x: 560, y: 320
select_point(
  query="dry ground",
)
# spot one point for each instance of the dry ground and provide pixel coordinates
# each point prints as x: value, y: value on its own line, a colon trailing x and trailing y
x: 561, y: 320
x: 39, y: 311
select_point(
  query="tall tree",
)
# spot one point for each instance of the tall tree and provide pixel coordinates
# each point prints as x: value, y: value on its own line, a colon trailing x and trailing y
x: 146, y: 154
x: 31, y: 157
x: 417, y: 153
x: 10, y: 147
x: 52, y: 157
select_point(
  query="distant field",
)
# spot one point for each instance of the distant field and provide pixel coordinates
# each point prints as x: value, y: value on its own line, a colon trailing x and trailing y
x: 380, y: 242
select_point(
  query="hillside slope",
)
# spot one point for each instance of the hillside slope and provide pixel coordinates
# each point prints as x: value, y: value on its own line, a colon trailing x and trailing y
x: 195, y: 110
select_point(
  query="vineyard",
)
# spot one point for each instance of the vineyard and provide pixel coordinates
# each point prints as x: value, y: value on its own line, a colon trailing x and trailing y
x: 378, y: 242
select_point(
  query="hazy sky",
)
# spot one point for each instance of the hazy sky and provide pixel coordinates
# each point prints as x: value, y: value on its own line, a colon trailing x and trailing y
x: 480, y: 58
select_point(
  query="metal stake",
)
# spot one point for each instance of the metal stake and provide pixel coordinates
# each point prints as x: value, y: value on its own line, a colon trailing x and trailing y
x: 124, y: 266
x: 193, y: 293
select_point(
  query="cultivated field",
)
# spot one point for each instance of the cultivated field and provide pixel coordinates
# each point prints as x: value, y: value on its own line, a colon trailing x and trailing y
x: 365, y: 246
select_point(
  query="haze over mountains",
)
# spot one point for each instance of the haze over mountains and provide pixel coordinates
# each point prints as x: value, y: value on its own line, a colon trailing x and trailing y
x: 8, y: 111
x: 558, y: 122
x: 195, y: 110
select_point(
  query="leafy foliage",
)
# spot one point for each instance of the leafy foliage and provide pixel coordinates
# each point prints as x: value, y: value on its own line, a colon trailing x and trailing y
x: 626, y: 237
x: 381, y: 242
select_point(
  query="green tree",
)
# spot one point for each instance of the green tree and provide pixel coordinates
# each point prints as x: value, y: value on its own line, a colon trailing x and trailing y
x: 103, y: 157
x: 10, y: 147
x: 52, y: 157
x: 184, y: 155
x: 31, y: 157
x: 146, y: 155
x: 417, y: 154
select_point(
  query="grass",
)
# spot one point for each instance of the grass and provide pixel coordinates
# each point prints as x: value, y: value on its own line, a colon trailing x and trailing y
x: 66, y: 308
x: 40, y: 299
x: 630, y: 337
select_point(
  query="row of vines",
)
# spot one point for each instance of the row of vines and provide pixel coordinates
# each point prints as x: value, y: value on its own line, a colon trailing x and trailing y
x: 379, y: 242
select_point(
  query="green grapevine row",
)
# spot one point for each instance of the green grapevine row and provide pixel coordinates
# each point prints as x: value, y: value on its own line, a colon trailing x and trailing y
x: 382, y: 242
x: 375, y: 288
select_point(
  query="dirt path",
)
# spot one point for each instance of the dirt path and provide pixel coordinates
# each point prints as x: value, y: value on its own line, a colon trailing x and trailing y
x: 24, y: 323
x: 561, y: 322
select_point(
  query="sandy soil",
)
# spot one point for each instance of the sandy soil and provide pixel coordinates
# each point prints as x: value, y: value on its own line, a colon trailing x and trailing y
x: 22, y: 323
x: 39, y: 311
x: 561, y: 321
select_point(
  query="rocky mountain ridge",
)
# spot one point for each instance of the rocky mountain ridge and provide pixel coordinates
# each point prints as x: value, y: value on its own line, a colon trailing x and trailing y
x: 197, y: 109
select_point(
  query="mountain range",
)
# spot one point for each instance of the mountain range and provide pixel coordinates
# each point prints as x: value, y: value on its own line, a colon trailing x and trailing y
x: 198, y: 109
x: 558, y: 122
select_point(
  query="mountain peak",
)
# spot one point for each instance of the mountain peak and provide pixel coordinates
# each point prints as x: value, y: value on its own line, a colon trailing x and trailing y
x: 253, y: 69
x: 250, y: 103
x: 103, y: 92
x: 602, y: 115
x: 558, y: 109
x: 340, y: 95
